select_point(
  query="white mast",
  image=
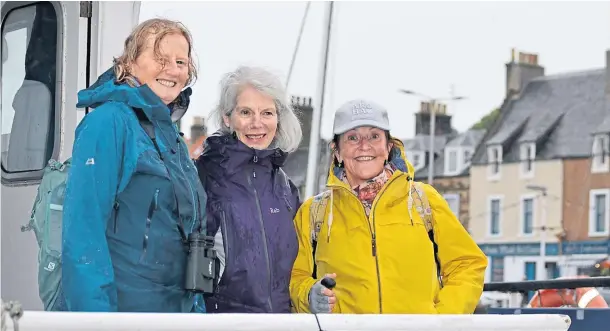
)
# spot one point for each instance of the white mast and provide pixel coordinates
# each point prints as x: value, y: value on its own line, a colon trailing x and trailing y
x: 311, y: 183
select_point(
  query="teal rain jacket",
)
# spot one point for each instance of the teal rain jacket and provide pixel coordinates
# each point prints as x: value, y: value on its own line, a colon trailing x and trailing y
x: 122, y: 250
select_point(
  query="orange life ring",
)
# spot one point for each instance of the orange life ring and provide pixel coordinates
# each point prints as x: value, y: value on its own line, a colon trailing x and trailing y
x: 584, y: 297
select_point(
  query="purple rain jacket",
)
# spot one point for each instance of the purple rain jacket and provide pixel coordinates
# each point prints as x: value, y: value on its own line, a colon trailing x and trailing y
x: 251, y: 206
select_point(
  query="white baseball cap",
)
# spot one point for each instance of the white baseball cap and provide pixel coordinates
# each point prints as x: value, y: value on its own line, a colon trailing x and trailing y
x: 359, y: 112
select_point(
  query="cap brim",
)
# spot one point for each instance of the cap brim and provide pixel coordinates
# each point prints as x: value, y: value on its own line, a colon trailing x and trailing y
x: 357, y: 124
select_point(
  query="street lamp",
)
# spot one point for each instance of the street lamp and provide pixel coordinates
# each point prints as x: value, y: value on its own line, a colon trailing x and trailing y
x: 543, y: 193
x: 433, y: 108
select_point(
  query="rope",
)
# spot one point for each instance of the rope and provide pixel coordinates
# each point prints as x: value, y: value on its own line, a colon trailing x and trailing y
x: 14, y: 311
x: 296, y: 47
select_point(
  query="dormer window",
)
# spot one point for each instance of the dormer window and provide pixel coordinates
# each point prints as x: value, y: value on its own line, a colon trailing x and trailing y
x: 456, y: 160
x: 494, y: 155
x: 527, y: 156
x: 600, y: 160
x: 452, y: 162
x: 467, y: 156
x: 417, y: 159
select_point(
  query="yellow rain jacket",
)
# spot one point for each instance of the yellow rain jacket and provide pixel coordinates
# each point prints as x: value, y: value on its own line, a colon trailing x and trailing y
x: 398, y: 275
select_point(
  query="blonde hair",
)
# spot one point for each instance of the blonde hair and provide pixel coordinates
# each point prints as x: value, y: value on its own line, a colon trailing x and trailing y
x: 137, y: 40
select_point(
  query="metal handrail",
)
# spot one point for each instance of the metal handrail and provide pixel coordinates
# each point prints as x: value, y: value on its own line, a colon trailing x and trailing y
x: 534, y: 285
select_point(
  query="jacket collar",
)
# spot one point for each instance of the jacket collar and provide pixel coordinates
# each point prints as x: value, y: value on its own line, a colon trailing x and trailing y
x: 229, y: 154
x: 140, y: 96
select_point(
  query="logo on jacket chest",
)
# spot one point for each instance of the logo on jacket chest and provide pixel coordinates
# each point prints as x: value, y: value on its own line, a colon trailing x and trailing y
x: 274, y: 210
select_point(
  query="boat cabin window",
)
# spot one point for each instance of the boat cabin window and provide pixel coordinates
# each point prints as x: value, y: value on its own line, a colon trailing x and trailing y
x: 29, y: 89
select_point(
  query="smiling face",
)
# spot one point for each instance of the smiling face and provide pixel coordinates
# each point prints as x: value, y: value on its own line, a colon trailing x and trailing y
x: 363, y: 151
x: 254, y: 118
x: 166, y: 72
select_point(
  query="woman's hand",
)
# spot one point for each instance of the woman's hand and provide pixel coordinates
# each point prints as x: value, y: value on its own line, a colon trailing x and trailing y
x: 321, y: 298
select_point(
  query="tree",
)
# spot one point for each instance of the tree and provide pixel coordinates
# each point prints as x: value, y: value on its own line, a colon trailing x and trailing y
x: 487, y: 121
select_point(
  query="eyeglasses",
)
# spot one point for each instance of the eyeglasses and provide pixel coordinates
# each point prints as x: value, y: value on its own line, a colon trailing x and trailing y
x: 357, y: 139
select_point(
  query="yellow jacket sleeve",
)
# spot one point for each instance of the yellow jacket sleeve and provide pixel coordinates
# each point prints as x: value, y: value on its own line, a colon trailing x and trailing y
x: 301, y: 279
x: 462, y: 262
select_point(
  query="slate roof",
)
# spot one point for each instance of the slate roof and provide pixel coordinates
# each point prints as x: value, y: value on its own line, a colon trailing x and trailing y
x: 421, y: 143
x: 560, y: 113
x: 470, y: 139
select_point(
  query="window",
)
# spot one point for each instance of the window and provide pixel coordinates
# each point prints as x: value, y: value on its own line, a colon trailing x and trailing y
x: 497, y: 268
x: 453, y: 200
x: 527, y: 215
x: 467, y: 156
x: 494, y: 154
x: 601, y: 149
x: 416, y: 159
x: 494, y: 221
x: 452, y: 161
x: 599, y: 212
x: 552, y: 270
x: 456, y: 160
x: 28, y: 87
x: 527, y: 156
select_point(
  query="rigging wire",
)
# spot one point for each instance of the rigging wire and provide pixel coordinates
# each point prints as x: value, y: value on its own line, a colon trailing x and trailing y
x: 298, y: 43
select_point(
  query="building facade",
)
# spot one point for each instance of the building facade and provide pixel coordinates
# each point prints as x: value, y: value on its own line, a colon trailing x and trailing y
x: 539, y: 190
x: 452, y: 155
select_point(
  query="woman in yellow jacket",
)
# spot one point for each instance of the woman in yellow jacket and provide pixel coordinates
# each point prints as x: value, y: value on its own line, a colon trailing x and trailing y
x: 375, y: 231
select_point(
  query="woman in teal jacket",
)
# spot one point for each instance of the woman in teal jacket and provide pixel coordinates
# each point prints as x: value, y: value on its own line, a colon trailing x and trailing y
x: 130, y: 201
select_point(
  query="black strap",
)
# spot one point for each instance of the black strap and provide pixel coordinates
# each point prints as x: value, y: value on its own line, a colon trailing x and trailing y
x: 436, y: 260
x: 314, y: 244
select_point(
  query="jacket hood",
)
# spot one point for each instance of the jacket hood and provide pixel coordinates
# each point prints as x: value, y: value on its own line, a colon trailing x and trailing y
x: 106, y: 89
x: 225, y: 151
x: 397, y: 158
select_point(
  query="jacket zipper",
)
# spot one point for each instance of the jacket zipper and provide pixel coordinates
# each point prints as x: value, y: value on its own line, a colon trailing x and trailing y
x: 151, y: 211
x: 116, y: 215
x: 374, y: 237
x: 262, y: 224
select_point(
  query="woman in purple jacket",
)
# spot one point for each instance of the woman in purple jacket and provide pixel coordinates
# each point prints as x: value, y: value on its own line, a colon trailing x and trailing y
x: 251, y: 201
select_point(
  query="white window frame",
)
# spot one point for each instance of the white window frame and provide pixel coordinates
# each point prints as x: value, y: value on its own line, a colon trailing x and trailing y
x: 491, y: 175
x: 522, y: 214
x: 527, y: 153
x: 592, y: 194
x: 459, y: 162
x: 22, y: 177
x: 456, y: 197
x: 601, y: 144
x: 421, y: 158
x: 488, y: 216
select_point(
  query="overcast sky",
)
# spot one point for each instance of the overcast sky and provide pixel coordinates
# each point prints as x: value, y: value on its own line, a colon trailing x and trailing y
x: 379, y: 47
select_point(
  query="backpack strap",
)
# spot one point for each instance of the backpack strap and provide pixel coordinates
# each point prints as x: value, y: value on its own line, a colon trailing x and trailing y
x: 148, y: 128
x: 423, y: 208
x: 317, y: 214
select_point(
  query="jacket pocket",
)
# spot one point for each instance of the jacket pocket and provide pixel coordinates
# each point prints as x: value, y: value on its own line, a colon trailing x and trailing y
x: 154, y: 204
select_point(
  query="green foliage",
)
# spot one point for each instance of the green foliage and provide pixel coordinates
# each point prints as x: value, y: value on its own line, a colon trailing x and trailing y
x: 487, y: 121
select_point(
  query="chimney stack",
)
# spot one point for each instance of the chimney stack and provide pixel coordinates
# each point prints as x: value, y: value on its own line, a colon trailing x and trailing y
x: 198, y: 128
x: 304, y: 111
x: 423, y: 118
x: 522, y: 71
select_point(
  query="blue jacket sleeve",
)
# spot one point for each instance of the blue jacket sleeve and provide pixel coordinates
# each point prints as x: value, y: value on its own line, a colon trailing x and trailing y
x: 88, y: 276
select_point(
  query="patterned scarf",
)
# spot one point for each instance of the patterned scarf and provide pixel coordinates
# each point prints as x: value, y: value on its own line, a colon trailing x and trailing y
x: 367, y: 191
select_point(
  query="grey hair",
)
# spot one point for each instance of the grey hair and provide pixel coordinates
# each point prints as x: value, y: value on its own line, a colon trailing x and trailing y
x: 288, y: 135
